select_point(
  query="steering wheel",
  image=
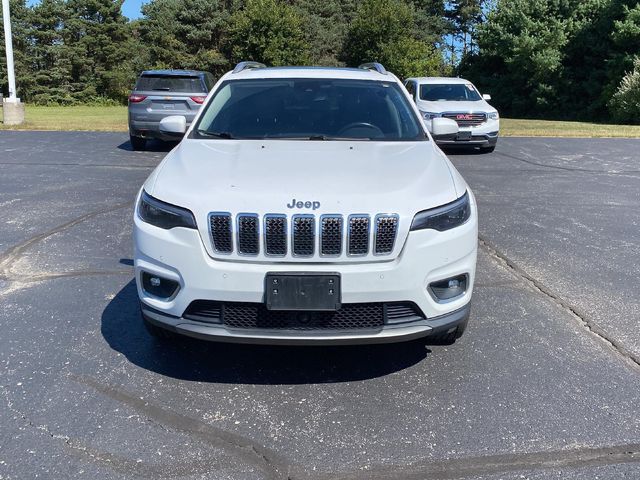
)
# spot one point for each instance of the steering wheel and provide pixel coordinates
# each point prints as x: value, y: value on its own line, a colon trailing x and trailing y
x: 354, y: 125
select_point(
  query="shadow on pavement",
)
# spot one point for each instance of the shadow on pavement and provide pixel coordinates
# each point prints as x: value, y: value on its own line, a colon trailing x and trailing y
x: 461, y: 150
x: 194, y: 360
x: 152, y: 146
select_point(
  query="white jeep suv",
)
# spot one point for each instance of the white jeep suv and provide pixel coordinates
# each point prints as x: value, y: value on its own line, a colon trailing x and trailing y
x: 306, y: 206
x: 459, y: 100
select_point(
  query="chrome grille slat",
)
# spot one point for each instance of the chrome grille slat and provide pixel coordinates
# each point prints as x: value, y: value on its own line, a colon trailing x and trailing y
x: 385, y: 233
x: 248, y: 226
x: 303, y: 231
x: 275, y: 235
x: 358, y: 236
x: 331, y: 235
x: 221, y: 232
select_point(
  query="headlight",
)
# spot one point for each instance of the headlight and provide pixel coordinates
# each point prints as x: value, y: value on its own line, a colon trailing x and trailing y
x: 493, y: 116
x: 164, y: 215
x: 429, y: 115
x: 445, y: 217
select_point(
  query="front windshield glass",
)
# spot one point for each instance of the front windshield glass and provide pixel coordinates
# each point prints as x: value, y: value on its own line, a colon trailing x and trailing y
x: 311, y: 109
x: 456, y: 92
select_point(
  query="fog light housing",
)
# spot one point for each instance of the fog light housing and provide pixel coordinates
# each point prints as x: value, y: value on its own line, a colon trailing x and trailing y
x: 449, y: 288
x: 159, y: 286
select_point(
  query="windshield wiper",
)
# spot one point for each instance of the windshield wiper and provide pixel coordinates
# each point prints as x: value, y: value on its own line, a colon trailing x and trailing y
x: 215, y: 134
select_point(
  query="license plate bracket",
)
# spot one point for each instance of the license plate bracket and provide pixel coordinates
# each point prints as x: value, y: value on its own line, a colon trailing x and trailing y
x: 463, y: 136
x: 302, y: 291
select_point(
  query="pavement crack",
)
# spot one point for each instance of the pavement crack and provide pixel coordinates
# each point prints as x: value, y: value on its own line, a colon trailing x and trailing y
x: 464, y: 467
x: 271, y: 463
x: 570, y: 169
x: 16, y: 252
x: 630, y: 357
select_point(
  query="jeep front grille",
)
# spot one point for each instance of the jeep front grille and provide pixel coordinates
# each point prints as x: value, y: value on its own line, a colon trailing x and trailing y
x: 275, y: 235
x: 248, y: 234
x: 331, y: 235
x: 305, y: 235
x: 220, y: 228
x: 358, y: 236
x: 385, y: 235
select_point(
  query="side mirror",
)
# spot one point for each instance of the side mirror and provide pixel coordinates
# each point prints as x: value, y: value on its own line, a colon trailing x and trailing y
x: 443, y: 126
x: 486, y: 97
x: 173, y: 126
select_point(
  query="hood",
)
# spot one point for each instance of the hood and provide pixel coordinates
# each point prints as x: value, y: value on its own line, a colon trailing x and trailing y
x: 303, y: 177
x: 445, y: 106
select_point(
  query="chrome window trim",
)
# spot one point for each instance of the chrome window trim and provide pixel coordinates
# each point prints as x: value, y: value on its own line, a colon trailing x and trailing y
x: 286, y: 234
x: 213, y: 244
x: 237, y: 230
x: 293, y: 234
x: 375, y: 232
x: 359, y: 215
x: 321, y: 234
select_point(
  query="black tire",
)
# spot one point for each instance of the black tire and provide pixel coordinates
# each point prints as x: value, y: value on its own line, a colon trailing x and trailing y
x: 137, y: 143
x: 445, y: 338
x: 156, y: 332
x: 488, y: 149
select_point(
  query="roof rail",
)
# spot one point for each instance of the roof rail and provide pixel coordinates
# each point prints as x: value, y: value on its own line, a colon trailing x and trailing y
x: 374, y: 66
x: 248, y: 65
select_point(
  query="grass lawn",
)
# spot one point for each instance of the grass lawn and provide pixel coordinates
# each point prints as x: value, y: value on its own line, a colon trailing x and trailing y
x: 104, y: 119
x: 511, y: 127
x: 114, y: 119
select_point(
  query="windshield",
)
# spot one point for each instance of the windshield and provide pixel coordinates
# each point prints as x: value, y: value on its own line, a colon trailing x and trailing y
x: 313, y: 109
x: 170, y: 83
x: 456, y: 92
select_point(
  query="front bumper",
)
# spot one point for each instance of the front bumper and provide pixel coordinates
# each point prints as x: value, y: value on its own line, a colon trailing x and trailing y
x: 484, y: 135
x: 427, y: 256
x: 388, y: 334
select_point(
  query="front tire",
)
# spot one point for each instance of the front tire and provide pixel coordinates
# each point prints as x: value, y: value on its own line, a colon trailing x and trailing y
x: 138, y: 143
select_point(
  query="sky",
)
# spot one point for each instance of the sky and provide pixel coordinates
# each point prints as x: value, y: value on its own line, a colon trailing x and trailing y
x: 131, y: 8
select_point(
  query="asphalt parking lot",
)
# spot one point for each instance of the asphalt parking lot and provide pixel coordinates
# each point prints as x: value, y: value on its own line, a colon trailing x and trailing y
x: 545, y: 384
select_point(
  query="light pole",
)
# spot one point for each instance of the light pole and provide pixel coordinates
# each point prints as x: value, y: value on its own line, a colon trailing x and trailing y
x: 12, y: 109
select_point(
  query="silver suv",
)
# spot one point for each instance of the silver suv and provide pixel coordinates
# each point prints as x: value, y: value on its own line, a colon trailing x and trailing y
x: 161, y: 93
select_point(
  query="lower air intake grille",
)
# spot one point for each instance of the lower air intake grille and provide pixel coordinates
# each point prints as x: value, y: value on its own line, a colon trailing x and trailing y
x: 352, y: 316
x: 220, y: 225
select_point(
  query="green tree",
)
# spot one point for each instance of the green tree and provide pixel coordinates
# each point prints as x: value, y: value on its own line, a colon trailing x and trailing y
x: 326, y: 25
x: 99, y: 40
x: 384, y: 31
x: 50, y: 56
x: 625, y: 103
x: 186, y: 33
x: 269, y: 31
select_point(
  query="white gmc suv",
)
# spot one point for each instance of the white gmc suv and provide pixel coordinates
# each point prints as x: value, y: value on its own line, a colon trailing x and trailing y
x: 306, y: 206
x: 459, y: 100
